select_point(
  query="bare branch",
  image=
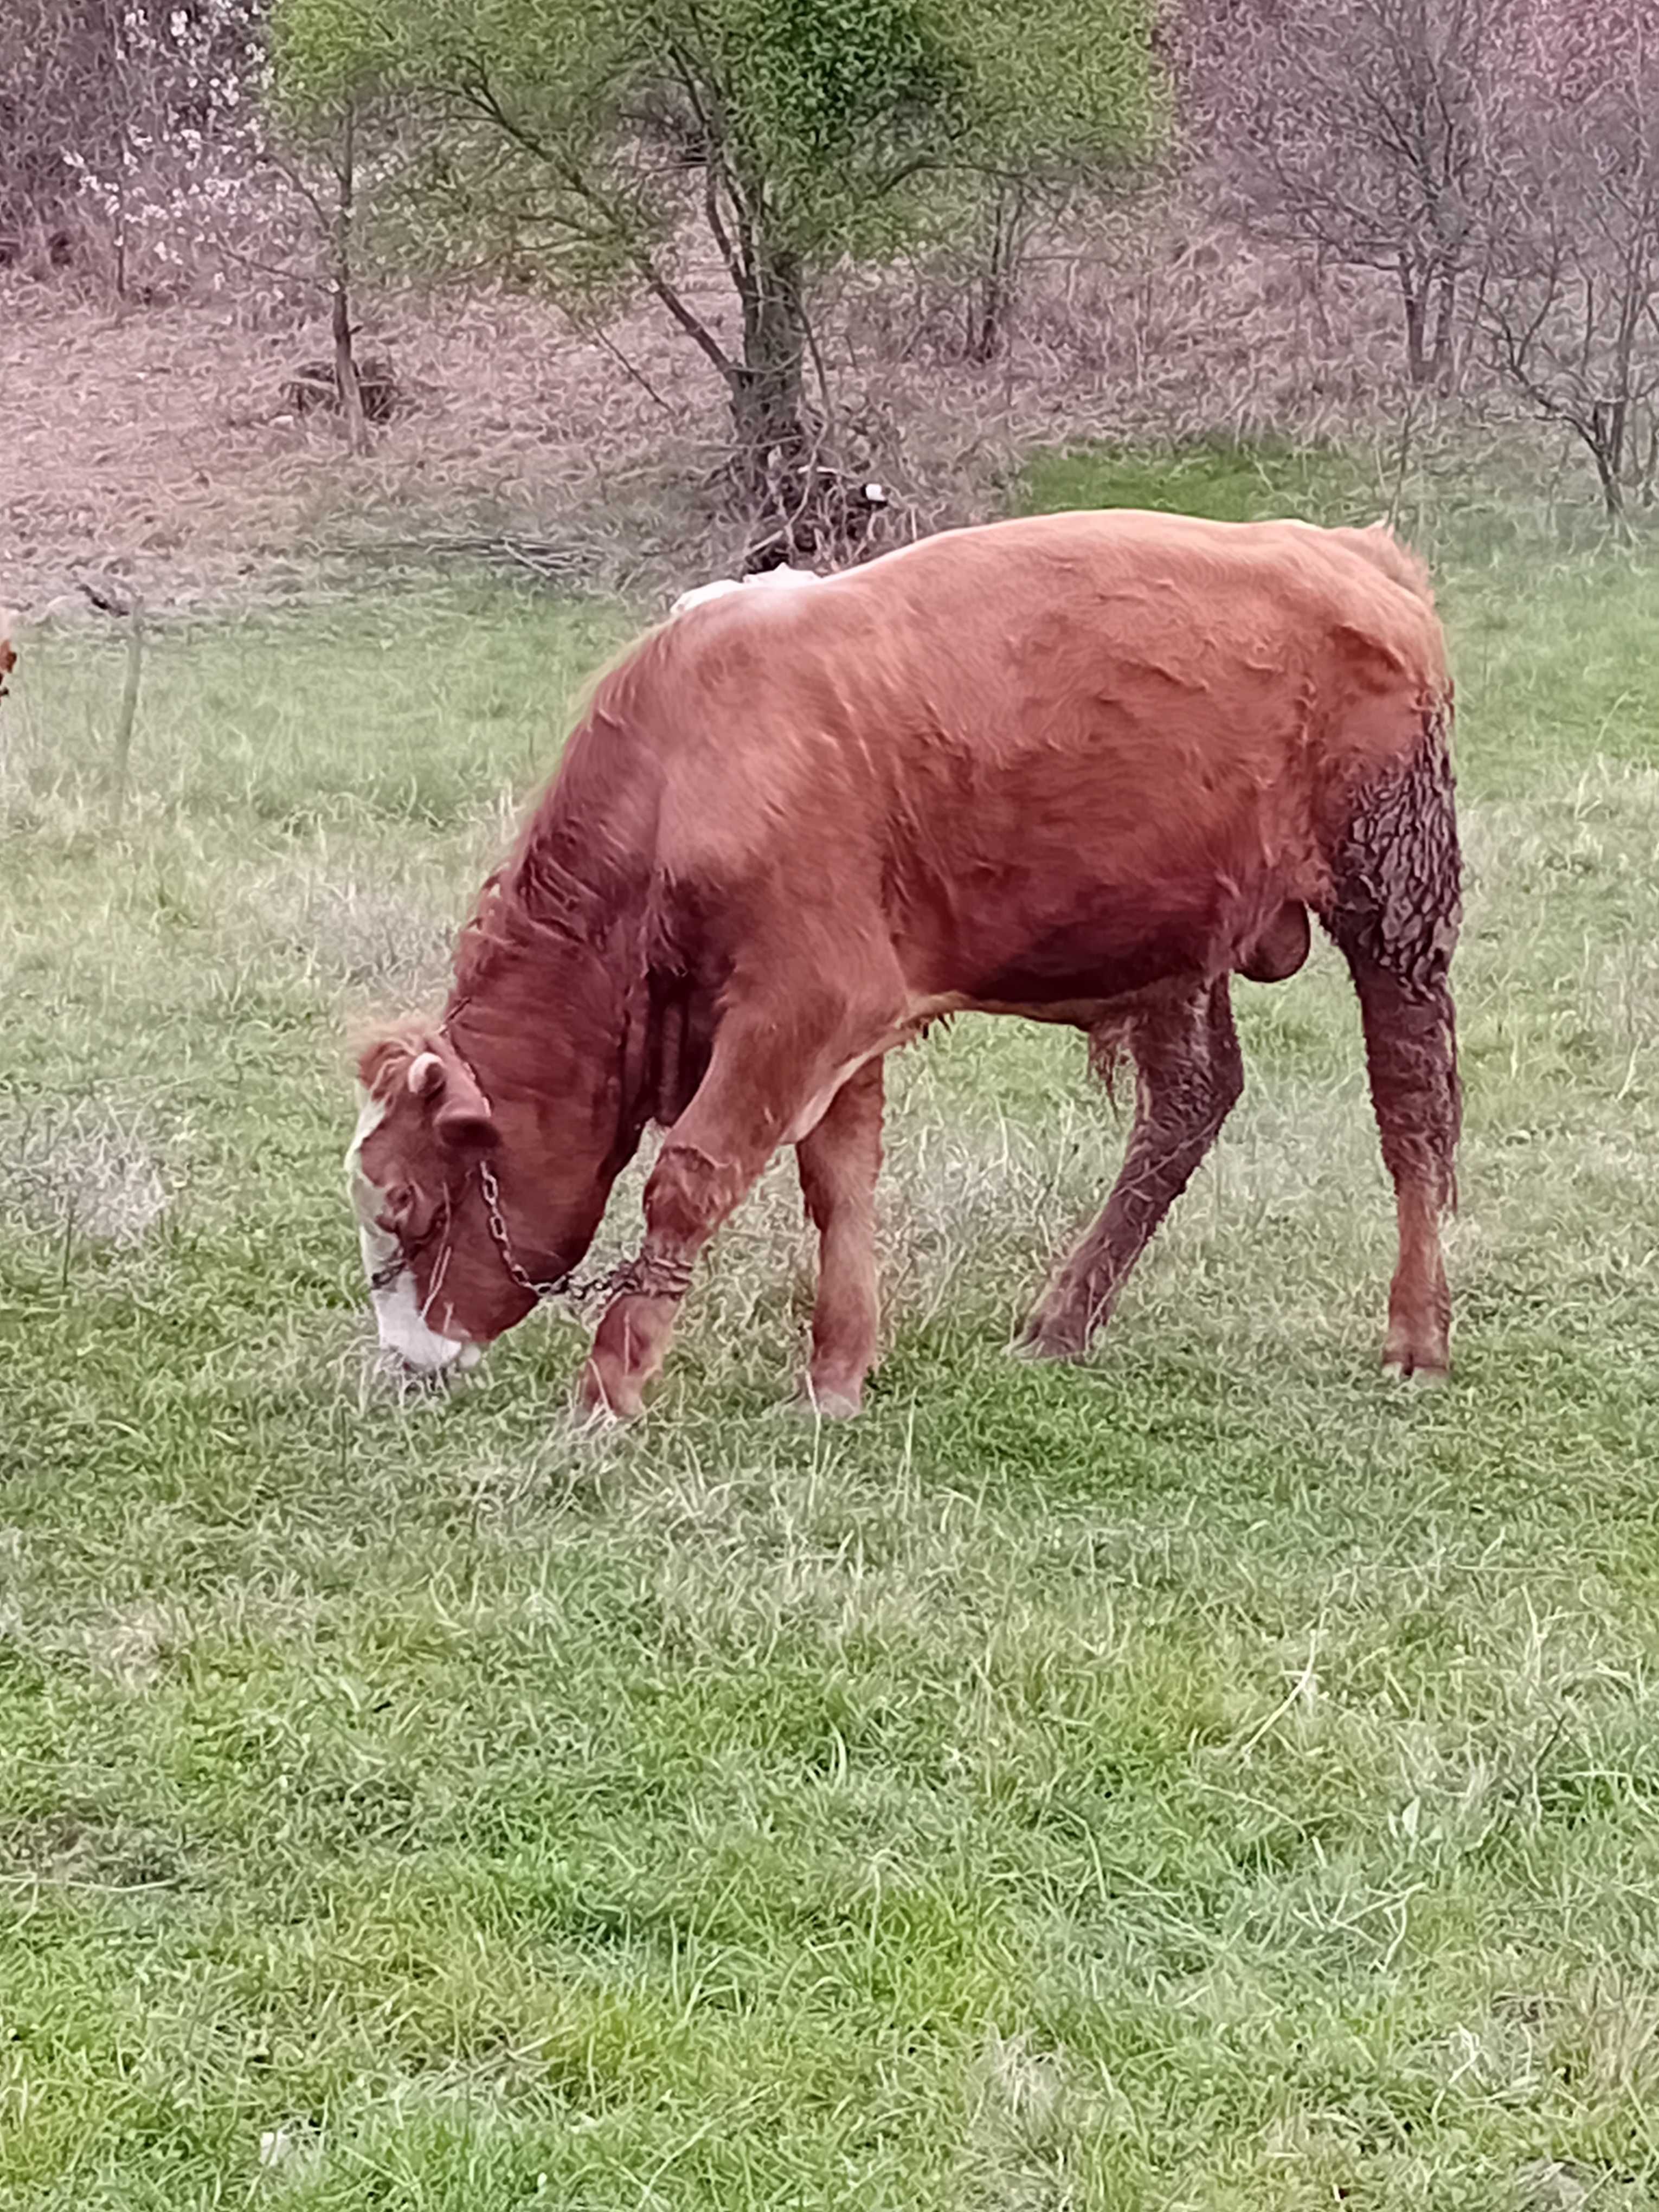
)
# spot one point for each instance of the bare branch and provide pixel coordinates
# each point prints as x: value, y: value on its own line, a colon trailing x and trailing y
x: 613, y: 228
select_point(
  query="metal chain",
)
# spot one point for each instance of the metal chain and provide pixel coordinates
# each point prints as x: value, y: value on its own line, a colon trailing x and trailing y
x: 653, y: 1276
x: 671, y: 1278
x: 520, y: 1274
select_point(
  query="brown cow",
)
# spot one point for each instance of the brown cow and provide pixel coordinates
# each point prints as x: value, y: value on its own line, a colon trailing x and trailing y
x: 1081, y: 769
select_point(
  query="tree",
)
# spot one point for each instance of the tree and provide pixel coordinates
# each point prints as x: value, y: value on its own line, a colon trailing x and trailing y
x: 49, y: 81
x: 318, y: 154
x: 572, y: 138
x: 115, y: 110
x: 1366, y: 129
x: 1063, y: 100
x: 1571, y: 298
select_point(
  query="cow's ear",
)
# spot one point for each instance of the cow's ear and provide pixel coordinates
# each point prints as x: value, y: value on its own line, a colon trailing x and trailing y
x: 463, y: 1120
x: 466, y: 1128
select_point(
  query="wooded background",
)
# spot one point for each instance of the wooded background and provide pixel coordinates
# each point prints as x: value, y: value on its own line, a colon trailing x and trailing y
x: 847, y: 215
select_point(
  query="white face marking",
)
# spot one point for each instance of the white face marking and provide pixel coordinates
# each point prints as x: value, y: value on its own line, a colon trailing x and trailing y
x: 402, y: 1326
x: 362, y: 1193
x: 404, y: 1329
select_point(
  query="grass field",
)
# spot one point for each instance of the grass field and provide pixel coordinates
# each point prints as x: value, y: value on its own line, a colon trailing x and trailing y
x: 1209, y: 1778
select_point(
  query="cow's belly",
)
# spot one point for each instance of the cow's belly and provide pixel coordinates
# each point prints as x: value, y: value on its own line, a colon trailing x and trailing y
x: 1060, y: 958
x: 1086, y: 961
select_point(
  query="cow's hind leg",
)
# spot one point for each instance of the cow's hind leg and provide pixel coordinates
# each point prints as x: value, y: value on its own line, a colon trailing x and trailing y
x: 1188, y: 1075
x: 839, y: 1162
x: 1395, y: 914
x: 1411, y: 1055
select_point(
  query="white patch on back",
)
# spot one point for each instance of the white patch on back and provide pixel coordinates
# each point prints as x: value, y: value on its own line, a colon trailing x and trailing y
x: 702, y: 593
x: 769, y: 579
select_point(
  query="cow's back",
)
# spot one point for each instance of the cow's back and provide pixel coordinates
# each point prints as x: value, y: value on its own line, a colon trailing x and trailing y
x: 1094, y: 743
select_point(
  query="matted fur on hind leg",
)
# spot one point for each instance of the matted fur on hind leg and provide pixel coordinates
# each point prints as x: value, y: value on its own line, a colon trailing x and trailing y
x: 1395, y: 913
x: 1188, y: 1076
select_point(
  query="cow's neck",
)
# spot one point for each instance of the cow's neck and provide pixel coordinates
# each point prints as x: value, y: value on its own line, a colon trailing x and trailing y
x: 551, y: 1005
x: 556, y: 1032
x: 552, y: 1001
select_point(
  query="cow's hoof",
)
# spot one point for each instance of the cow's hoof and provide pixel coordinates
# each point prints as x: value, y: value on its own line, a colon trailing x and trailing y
x: 832, y: 1401
x: 1417, y: 1355
x: 1403, y: 1367
x: 591, y: 1424
x: 1058, y: 1338
x: 822, y: 1402
x: 606, y: 1401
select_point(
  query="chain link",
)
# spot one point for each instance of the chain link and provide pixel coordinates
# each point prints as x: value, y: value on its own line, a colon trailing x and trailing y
x: 520, y: 1274
x: 614, y: 1278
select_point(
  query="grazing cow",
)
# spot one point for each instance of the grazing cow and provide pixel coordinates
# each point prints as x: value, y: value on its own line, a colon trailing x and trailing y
x: 1082, y: 769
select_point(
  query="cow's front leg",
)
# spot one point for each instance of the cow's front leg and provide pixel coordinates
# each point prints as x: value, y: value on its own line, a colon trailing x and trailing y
x: 689, y: 1194
x: 768, y: 1080
x: 840, y: 1162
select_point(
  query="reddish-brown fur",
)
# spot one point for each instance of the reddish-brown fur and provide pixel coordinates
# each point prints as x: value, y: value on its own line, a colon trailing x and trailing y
x: 1082, y: 769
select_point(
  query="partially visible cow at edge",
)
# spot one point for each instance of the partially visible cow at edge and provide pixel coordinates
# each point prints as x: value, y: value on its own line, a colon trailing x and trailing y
x: 1084, y: 769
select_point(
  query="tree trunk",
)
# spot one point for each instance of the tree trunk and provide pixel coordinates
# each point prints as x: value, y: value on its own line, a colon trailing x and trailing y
x: 1649, y: 471
x: 1605, y: 452
x: 991, y: 296
x: 1414, y: 291
x: 121, y: 228
x: 1604, y: 434
x: 345, y: 361
x: 769, y: 400
x: 121, y: 88
x: 1442, y: 353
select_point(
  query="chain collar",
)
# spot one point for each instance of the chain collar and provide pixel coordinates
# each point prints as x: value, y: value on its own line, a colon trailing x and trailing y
x: 492, y: 1196
x: 541, y: 1292
x: 652, y: 1278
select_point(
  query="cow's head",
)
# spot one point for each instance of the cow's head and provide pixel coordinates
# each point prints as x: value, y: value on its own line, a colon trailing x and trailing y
x: 453, y: 1195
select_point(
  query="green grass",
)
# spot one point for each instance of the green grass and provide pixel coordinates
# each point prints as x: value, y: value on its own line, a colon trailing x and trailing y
x: 1416, y: 474
x: 1226, y: 479
x: 1209, y: 1778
